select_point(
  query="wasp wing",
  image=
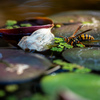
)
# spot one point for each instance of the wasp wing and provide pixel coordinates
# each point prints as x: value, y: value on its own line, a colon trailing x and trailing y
x: 92, y: 43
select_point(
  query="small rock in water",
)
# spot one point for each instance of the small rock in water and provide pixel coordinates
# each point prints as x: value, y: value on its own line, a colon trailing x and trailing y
x: 39, y: 40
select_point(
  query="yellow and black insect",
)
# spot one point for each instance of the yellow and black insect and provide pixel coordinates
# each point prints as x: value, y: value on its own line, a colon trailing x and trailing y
x: 73, y: 40
x: 85, y: 37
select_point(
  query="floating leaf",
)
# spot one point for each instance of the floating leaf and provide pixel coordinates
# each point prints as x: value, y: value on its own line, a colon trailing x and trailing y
x: 71, y: 67
x: 68, y: 28
x: 60, y: 45
x: 14, y: 35
x: 9, y: 27
x: 83, y: 70
x: 57, y: 49
x: 58, y: 40
x: 88, y: 57
x: 16, y: 26
x: 14, y: 59
x: 11, y: 22
x: 85, y: 85
x: 76, y: 16
x: 11, y: 88
x: 66, y: 45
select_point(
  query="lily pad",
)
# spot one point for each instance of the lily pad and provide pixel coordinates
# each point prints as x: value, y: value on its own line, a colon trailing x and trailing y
x: 14, y: 61
x: 89, y: 20
x: 88, y: 57
x: 76, y: 16
x: 14, y: 35
x: 85, y: 85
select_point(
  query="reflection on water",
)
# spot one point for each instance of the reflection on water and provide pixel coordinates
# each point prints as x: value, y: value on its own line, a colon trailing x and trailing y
x: 25, y: 9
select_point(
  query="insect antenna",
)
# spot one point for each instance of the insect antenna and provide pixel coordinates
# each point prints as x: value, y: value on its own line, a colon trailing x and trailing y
x: 83, y: 32
x: 76, y: 30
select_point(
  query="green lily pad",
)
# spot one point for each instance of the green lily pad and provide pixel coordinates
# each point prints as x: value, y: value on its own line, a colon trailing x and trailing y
x: 85, y: 85
x: 76, y: 16
x: 89, y: 20
x: 88, y: 57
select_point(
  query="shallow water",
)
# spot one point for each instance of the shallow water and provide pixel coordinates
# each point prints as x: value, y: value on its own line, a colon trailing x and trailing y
x: 25, y: 9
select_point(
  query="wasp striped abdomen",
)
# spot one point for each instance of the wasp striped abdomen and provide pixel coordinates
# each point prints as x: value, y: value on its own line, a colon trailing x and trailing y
x: 85, y: 37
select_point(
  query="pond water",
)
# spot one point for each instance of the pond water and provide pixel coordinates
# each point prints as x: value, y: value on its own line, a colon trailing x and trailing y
x: 26, y: 9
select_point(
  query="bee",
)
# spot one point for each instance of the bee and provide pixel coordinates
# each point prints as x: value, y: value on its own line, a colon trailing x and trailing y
x: 73, y: 40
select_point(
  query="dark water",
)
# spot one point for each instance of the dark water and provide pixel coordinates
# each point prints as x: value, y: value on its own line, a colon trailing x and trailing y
x: 25, y: 9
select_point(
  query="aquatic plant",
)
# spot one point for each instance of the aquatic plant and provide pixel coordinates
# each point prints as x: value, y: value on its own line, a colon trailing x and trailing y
x: 60, y: 45
x: 11, y: 22
x: 71, y: 67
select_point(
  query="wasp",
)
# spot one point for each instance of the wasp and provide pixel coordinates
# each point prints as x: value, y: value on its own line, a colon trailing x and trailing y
x: 77, y: 39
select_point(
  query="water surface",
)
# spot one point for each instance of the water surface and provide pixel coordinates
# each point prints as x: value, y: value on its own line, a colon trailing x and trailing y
x: 25, y: 9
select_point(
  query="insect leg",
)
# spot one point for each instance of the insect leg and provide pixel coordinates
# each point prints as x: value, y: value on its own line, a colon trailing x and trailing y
x: 65, y: 39
x: 81, y: 43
